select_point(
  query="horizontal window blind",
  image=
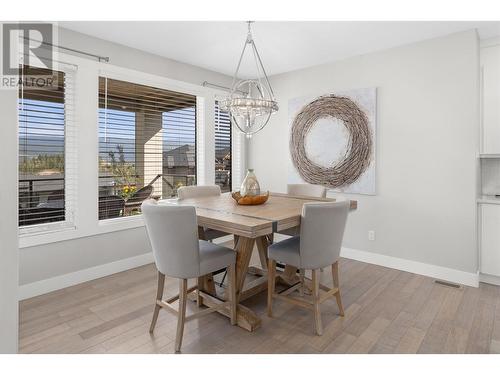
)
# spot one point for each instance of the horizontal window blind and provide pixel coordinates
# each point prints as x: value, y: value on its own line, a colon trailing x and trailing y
x: 44, y: 115
x: 223, y: 149
x: 147, y: 145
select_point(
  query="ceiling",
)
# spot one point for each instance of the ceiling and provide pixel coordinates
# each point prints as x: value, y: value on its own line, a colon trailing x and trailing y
x: 283, y: 46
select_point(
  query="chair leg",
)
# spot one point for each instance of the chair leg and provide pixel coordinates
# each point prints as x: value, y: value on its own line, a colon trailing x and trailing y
x: 159, y: 296
x: 336, y: 284
x: 199, y: 301
x: 232, y: 293
x: 271, y: 275
x: 301, y: 279
x: 316, y: 303
x: 181, y: 317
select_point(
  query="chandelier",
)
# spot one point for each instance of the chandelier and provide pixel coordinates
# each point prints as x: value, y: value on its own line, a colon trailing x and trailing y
x: 251, y: 101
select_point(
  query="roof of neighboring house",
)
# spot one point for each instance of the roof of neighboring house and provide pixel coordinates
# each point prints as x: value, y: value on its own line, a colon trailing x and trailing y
x: 183, y: 156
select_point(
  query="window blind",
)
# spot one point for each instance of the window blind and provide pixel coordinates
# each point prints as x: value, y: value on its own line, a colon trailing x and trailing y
x: 147, y: 145
x: 46, y: 154
x: 223, y: 149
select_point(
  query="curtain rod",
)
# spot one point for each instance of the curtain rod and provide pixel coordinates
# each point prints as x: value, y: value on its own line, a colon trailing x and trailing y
x: 99, y: 58
x: 208, y: 84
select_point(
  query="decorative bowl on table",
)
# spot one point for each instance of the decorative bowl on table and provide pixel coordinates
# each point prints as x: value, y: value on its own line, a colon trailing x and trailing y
x: 250, y: 200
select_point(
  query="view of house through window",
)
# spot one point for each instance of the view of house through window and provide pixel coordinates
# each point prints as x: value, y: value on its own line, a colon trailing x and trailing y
x: 147, y: 145
x: 222, y: 149
x: 41, y: 149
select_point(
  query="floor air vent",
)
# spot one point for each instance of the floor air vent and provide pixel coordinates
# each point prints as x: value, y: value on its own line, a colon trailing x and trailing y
x: 446, y: 283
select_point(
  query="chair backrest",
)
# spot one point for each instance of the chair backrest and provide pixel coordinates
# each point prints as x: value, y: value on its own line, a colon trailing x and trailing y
x: 307, y: 190
x: 186, y: 192
x: 321, y: 232
x: 141, y: 195
x: 173, y: 233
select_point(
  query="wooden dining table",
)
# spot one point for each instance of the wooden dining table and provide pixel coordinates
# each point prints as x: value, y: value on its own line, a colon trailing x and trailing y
x: 250, y: 226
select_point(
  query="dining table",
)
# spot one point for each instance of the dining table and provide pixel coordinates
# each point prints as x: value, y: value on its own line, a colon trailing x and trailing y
x: 250, y: 226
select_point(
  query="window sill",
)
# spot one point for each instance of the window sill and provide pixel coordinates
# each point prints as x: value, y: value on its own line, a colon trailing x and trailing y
x: 120, y: 223
x: 35, y: 238
x: 75, y: 232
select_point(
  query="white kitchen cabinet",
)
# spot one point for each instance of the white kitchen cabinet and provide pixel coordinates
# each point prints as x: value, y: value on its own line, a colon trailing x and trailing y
x: 490, y: 82
x: 490, y: 239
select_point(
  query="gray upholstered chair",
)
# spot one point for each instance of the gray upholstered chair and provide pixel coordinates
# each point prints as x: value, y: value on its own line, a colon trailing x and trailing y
x: 178, y: 253
x: 195, y: 191
x: 321, y: 232
x: 305, y: 190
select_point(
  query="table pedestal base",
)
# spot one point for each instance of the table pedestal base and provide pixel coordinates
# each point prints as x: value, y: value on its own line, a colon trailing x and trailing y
x: 246, y: 318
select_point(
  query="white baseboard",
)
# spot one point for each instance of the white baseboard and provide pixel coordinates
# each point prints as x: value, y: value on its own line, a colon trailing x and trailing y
x: 63, y: 281
x: 58, y: 282
x: 489, y: 279
x: 425, y: 269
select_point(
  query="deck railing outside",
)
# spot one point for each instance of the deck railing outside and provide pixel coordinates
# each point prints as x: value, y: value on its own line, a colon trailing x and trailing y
x: 41, y: 200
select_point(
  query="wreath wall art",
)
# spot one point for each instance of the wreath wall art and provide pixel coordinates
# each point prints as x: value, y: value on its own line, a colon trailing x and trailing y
x: 332, y: 140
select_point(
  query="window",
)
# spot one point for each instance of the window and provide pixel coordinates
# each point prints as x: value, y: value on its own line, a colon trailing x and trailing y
x: 222, y: 149
x: 43, y: 115
x: 147, y: 145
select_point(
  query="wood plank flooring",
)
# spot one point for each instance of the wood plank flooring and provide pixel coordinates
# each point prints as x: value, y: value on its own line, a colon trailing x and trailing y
x: 386, y: 311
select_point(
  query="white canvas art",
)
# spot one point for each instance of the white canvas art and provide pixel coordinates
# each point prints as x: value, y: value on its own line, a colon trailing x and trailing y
x: 331, y: 148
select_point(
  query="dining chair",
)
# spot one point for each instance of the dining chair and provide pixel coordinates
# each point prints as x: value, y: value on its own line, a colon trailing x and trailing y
x: 178, y: 253
x: 195, y: 191
x: 199, y: 191
x: 306, y: 190
x: 317, y: 246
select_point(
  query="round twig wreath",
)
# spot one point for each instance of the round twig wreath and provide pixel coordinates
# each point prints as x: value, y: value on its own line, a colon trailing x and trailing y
x: 358, y: 156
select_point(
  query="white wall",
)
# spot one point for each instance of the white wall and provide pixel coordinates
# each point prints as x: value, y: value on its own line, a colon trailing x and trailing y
x: 53, y: 260
x: 427, y: 139
x: 8, y: 221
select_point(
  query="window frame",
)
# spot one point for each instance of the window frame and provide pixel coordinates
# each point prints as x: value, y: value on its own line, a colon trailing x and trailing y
x: 196, y: 129
x: 239, y: 147
x: 70, y: 155
x: 203, y: 95
x: 86, y: 221
x: 231, y: 132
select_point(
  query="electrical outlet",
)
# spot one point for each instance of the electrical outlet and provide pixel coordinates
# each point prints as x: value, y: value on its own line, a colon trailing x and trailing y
x: 371, y: 235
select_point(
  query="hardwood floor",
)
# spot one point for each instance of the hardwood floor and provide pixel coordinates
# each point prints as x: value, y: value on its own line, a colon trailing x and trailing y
x: 386, y: 311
